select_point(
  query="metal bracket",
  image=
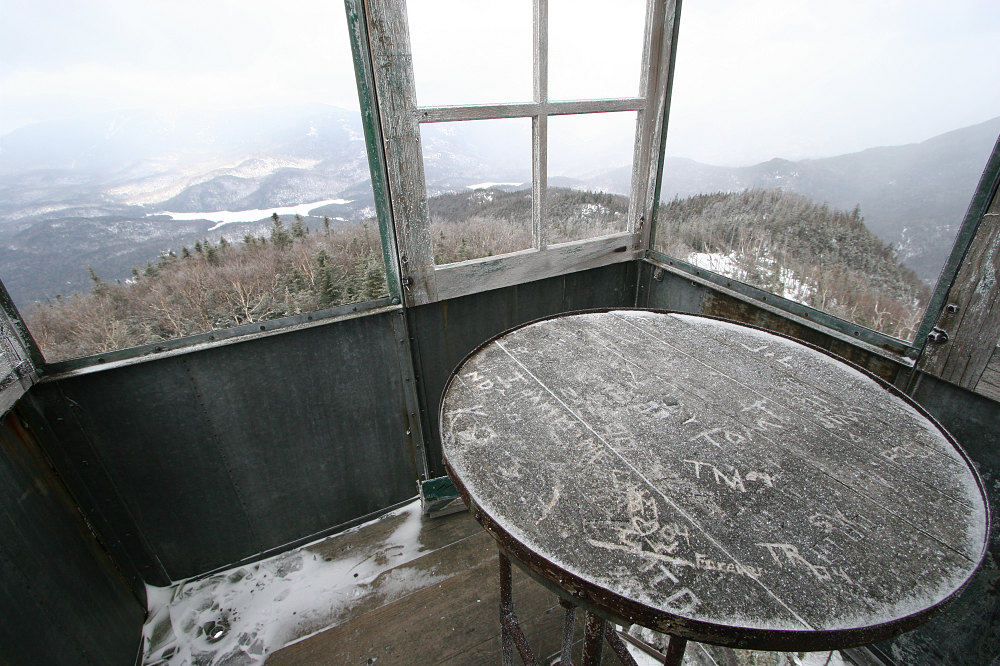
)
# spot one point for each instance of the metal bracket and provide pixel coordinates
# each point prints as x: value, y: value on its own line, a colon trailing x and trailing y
x: 938, y: 335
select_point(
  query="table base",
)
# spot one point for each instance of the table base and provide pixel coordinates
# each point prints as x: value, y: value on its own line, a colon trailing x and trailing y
x: 596, y: 631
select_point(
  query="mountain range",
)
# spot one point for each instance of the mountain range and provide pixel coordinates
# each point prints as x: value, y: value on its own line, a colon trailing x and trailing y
x: 98, y: 191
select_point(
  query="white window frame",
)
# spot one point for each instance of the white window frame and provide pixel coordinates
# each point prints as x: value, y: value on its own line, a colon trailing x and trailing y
x: 400, y: 119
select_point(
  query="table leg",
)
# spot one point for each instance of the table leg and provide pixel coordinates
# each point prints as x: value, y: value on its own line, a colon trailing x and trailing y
x: 675, y: 651
x: 593, y: 640
x: 569, y: 624
x: 511, y: 635
x: 506, y: 608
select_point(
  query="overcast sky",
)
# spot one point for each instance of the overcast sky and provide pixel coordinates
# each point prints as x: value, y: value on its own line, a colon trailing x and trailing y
x: 754, y: 79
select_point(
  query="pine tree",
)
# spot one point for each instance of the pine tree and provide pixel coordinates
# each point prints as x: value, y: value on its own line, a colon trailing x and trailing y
x: 299, y: 228
x: 280, y: 237
x: 98, y: 286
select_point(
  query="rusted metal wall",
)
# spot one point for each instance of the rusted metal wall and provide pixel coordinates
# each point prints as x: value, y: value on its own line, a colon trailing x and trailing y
x: 444, y: 332
x: 193, y: 462
x: 62, y: 600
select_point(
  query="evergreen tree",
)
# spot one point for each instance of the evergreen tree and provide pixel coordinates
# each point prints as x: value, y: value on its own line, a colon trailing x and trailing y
x: 280, y: 237
x: 299, y: 228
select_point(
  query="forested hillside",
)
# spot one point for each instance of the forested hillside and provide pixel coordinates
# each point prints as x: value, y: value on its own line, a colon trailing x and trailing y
x: 216, y: 286
x: 488, y: 222
x: 775, y: 240
x: 797, y: 248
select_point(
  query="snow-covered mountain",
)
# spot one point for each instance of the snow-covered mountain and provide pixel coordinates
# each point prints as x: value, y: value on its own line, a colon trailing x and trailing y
x: 95, y: 191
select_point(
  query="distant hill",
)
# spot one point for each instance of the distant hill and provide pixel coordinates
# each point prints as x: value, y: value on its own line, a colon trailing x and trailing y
x: 87, y: 191
x: 779, y: 241
x: 913, y: 197
x: 797, y: 248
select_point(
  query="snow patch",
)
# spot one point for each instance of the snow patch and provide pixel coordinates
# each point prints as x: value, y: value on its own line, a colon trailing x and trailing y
x: 221, y: 217
x: 484, y: 186
x: 729, y: 265
x: 246, y: 613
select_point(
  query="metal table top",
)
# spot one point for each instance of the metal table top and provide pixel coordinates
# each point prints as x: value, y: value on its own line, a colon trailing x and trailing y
x: 712, y: 480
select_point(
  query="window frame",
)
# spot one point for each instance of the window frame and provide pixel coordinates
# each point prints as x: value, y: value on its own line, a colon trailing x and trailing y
x: 400, y: 118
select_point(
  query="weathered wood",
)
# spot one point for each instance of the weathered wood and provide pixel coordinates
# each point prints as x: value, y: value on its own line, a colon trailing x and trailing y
x: 450, y: 621
x: 540, y: 124
x: 661, y: 33
x: 400, y: 120
x: 444, y: 114
x: 971, y: 317
x: 364, y: 75
x: 712, y: 480
x: 17, y: 372
x: 989, y: 382
x: 470, y: 277
x: 392, y: 62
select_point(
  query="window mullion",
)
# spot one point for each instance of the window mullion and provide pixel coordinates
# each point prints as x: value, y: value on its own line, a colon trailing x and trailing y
x: 540, y: 124
x: 396, y: 96
x: 659, y: 55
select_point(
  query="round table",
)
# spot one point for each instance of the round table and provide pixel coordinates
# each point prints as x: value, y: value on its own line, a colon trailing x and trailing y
x: 710, y: 480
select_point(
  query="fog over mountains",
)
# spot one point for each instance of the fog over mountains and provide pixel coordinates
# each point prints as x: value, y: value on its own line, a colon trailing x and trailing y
x: 96, y: 191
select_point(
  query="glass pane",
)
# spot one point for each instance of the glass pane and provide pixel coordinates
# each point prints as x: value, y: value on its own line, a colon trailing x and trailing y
x: 478, y: 176
x: 590, y: 175
x: 140, y: 170
x: 595, y: 49
x: 471, y: 51
x: 828, y: 151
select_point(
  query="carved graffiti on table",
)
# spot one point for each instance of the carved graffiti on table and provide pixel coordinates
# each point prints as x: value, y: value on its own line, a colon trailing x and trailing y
x: 766, y: 419
x: 642, y: 533
x: 717, y: 436
x: 838, y: 522
x: 734, y: 481
x: 794, y: 559
x: 907, y: 452
x: 708, y: 564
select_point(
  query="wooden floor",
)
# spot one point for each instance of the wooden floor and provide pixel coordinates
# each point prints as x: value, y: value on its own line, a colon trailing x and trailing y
x: 454, y: 618
x: 453, y: 621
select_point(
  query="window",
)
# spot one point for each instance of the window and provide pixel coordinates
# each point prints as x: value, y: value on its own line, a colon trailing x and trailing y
x: 587, y: 97
x: 173, y: 169
x: 827, y: 152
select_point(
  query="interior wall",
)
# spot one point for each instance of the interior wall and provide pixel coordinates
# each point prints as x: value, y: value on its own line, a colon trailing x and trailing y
x: 195, y: 461
x: 63, y: 601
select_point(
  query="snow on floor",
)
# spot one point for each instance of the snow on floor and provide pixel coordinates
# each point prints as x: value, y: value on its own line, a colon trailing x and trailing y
x: 240, y: 616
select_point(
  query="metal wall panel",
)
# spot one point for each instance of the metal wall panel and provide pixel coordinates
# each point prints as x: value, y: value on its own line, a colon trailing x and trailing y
x: 968, y: 632
x: 444, y: 332
x: 62, y: 600
x: 199, y: 460
x: 666, y: 289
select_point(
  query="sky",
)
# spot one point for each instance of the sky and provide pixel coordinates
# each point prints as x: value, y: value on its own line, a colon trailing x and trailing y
x: 754, y: 79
